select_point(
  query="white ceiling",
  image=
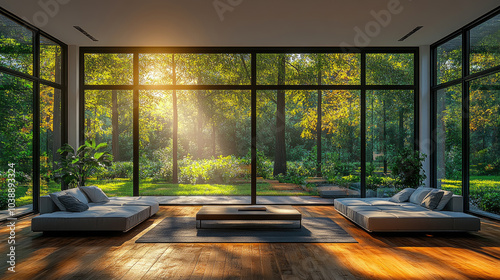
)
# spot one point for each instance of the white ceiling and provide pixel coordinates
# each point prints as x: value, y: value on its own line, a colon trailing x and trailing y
x: 248, y: 22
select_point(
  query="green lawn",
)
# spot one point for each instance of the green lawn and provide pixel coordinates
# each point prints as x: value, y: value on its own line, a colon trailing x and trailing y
x: 476, y: 183
x: 124, y: 187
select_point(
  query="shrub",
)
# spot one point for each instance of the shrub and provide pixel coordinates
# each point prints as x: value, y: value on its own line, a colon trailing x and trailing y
x: 345, y: 181
x: 407, y: 168
x: 120, y: 169
x: 453, y: 165
x: 264, y: 165
x: 490, y: 202
x: 219, y: 170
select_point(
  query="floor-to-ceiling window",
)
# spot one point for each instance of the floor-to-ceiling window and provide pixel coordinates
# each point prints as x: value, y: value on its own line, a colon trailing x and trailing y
x: 466, y: 109
x: 197, y: 121
x: 32, y: 96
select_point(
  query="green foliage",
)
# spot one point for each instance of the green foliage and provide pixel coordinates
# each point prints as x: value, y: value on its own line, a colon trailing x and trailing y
x: 407, y: 168
x: 120, y: 169
x: 264, y: 165
x: 76, y: 166
x: 484, y: 192
x: 219, y: 170
x: 345, y: 181
x: 291, y: 178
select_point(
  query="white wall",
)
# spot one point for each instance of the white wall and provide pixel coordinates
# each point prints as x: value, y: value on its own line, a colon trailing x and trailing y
x: 73, y: 95
x: 424, y: 108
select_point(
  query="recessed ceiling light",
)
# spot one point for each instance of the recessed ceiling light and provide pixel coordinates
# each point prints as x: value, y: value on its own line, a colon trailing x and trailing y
x: 85, y: 33
x: 410, y: 33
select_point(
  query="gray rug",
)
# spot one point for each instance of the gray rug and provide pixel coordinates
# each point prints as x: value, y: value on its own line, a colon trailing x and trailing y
x: 183, y: 230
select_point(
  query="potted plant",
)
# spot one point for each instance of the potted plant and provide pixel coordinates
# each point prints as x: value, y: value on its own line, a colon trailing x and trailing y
x: 407, y: 168
x: 77, y: 165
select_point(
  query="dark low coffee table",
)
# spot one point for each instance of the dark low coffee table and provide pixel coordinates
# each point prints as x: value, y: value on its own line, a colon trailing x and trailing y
x: 248, y: 213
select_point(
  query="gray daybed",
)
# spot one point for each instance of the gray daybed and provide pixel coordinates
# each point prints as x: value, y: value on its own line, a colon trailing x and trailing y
x: 383, y: 215
x: 116, y: 214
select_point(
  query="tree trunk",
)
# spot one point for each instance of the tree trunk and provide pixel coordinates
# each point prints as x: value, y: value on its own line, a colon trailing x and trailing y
x: 199, y: 126
x: 401, y: 133
x: 441, y: 140
x: 318, y: 125
x: 175, y: 177
x: 57, y: 111
x: 214, y: 148
x: 114, y: 122
x: 280, y: 152
x: 384, y: 150
x: 56, y: 126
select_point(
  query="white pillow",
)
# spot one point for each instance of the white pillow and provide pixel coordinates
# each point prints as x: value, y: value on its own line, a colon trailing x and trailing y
x: 446, y: 198
x: 419, y: 194
x: 402, y: 196
x: 95, y: 194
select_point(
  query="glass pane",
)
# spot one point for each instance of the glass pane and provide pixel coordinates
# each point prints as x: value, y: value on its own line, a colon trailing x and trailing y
x: 485, y: 144
x: 214, y: 143
x: 309, y: 69
x: 286, y: 142
x: 449, y: 60
x: 50, y: 60
x: 156, y: 142
x: 389, y: 129
x: 288, y: 69
x: 341, y: 143
x: 50, y: 137
x: 389, y: 68
x: 213, y: 69
x: 108, y: 119
x: 449, y: 139
x: 16, y: 132
x: 341, y: 69
x: 108, y: 68
x: 484, y: 42
x: 16, y: 46
x: 155, y: 69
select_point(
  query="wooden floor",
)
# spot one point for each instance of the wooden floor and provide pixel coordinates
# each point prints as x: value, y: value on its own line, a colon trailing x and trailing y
x: 376, y: 256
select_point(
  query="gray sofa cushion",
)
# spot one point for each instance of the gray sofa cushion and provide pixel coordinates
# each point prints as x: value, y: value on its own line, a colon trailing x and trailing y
x: 381, y: 215
x: 55, y: 199
x: 97, y: 218
x: 74, y: 192
x: 402, y: 196
x: 447, y: 195
x: 72, y: 204
x: 133, y: 200
x: 418, y: 195
x: 95, y: 194
x: 432, y: 199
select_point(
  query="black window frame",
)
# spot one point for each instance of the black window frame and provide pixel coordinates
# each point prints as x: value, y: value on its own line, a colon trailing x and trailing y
x: 37, y: 82
x: 464, y: 81
x: 253, y: 87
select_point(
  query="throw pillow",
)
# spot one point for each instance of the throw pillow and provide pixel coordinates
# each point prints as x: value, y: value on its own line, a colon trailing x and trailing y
x: 431, y: 200
x: 402, y: 196
x: 446, y: 198
x: 72, y: 203
x: 76, y: 192
x: 55, y: 198
x: 419, y: 194
x: 95, y: 194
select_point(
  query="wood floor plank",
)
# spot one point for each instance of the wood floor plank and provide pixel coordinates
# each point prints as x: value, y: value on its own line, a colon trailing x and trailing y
x: 375, y: 256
